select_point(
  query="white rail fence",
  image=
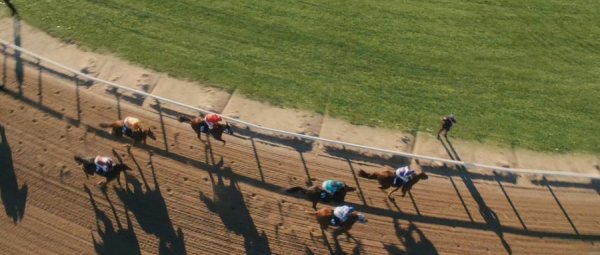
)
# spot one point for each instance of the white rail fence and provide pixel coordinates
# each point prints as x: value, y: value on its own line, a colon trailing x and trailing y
x: 307, y: 137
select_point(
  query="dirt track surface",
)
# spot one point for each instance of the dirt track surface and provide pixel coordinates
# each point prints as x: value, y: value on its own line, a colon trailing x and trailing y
x: 201, y: 199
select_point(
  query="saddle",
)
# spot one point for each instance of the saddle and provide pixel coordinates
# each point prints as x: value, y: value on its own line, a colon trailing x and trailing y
x: 335, y: 221
x: 325, y: 196
x: 398, y: 182
x: 203, y: 128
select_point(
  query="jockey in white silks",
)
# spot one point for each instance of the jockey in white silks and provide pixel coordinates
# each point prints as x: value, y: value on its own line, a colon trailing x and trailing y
x: 332, y: 186
x: 130, y: 123
x: 342, y: 213
x: 403, y: 175
x: 103, y: 164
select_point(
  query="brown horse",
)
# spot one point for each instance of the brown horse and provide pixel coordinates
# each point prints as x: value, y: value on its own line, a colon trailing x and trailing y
x: 315, y: 192
x: 89, y: 167
x: 386, y: 180
x: 139, y: 134
x: 199, y: 126
x: 325, y: 215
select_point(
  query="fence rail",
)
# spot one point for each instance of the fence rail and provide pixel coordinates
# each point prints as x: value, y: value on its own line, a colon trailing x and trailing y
x: 307, y: 137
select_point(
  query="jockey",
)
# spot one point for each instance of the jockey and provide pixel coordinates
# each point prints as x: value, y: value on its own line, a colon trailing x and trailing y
x: 331, y: 187
x: 103, y: 164
x: 130, y: 123
x: 211, y: 119
x: 403, y: 175
x: 342, y: 213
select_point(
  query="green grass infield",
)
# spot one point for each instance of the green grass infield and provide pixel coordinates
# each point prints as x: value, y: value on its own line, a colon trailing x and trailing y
x: 515, y: 73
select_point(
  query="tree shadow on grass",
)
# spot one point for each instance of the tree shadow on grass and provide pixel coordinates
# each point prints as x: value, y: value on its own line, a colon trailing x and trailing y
x: 13, y: 197
x: 149, y: 207
x: 228, y: 202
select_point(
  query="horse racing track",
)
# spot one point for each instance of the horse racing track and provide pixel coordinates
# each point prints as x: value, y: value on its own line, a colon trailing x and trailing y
x: 196, y: 198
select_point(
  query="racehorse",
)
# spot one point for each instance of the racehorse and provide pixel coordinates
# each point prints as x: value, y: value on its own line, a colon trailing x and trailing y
x: 89, y: 167
x: 315, y: 192
x: 386, y: 180
x: 325, y: 215
x: 137, y: 135
x: 199, y: 126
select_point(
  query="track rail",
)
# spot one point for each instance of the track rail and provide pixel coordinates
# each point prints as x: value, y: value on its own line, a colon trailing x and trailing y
x: 306, y: 137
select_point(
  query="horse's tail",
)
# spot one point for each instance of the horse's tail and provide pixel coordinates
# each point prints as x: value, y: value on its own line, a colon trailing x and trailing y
x: 364, y: 174
x: 184, y: 119
x: 105, y: 125
x: 296, y: 189
x: 80, y: 160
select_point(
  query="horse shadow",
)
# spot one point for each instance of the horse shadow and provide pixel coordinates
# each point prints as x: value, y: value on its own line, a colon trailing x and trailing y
x: 228, y: 202
x: 119, y: 241
x: 422, y: 245
x: 13, y: 197
x: 149, y: 207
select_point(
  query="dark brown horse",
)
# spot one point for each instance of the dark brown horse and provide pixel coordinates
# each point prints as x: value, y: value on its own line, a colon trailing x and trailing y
x: 199, y: 126
x: 89, y: 167
x: 139, y: 134
x: 314, y: 194
x: 386, y: 180
x: 325, y: 215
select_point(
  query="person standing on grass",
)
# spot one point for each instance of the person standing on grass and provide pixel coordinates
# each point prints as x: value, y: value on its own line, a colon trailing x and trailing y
x: 447, y: 123
x: 13, y: 10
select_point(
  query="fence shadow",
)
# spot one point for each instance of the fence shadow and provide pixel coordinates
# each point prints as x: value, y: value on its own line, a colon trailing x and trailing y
x: 13, y: 197
x: 114, y: 241
x: 228, y: 202
x: 490, y: 217
x: 393, y: 161
x: 130, y: 194
x: 148, y: 205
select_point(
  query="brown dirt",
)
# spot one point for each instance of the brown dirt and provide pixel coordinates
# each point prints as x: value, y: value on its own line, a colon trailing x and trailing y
x: 214, y: 199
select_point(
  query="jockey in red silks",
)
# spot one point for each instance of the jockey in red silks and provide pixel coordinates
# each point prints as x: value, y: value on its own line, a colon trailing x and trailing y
x: 104, y: 164
x: 211, y: 119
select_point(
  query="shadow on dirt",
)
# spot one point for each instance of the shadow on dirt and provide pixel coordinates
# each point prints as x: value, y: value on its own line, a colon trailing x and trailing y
x: 13, y: 197
x: 149, y: 207
x: 412, y: 245
x: 114, y: 241
x: 228, y: 202
x: 490, y: 217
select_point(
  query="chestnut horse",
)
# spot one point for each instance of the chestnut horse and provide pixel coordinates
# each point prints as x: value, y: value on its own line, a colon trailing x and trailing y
x: 325, y: 215
x: 386, y: 180
x: 137, y: 135
x: 199, y: 126
x: 314, y: 194
x: 89, y: 167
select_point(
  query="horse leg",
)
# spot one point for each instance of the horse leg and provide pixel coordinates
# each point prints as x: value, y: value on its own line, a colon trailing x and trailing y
x: 390, y: 194
x: 315, y: 204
